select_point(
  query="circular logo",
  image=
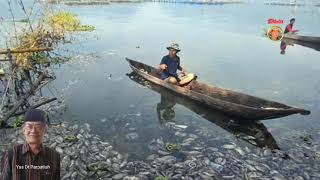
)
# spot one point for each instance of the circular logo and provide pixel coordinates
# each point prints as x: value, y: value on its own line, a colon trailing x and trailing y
x: 275, y: 33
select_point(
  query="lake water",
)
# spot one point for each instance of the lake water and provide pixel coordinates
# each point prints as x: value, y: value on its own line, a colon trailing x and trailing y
x: 222, y: 44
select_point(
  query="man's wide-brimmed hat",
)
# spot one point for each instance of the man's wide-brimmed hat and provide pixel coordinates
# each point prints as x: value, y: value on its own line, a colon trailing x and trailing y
x: 174, y: 46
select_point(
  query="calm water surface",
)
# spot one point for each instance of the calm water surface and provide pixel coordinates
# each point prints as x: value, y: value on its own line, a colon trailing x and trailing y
x: 222, y: 44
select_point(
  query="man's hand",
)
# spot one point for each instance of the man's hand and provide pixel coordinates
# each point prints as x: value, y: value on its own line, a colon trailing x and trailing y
x: 163, y: 67
x: 184, y: 72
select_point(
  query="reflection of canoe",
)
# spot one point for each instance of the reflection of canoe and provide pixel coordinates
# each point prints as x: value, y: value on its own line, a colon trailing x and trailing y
x: 232, y: 103
x: 310, y: 39
x: 303, y: 43
x: 254, y: 133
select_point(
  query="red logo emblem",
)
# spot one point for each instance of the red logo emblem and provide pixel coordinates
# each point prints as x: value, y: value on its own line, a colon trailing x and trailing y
x: 275, y: 21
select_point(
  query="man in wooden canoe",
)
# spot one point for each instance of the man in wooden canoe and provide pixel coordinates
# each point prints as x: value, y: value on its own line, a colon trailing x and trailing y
x: 170, y: 64
x: 289, y: 27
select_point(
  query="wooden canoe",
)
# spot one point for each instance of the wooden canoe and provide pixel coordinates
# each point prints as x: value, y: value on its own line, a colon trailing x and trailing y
x: 254, y: 133
x: 302, y: 43
x: 310, y: 39
x: 239, y: 105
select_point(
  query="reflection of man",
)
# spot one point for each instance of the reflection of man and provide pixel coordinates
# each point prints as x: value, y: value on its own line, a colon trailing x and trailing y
x: 283, y: 47
x: 32, y: 160
x: 170, y: 64
x: 289, y: 27
x: 165, y: 110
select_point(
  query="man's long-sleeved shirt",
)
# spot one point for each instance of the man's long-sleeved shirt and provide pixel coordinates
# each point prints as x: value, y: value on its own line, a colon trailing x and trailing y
x: 173, y: 64
x: 19, y: 163
x: 289, y: 28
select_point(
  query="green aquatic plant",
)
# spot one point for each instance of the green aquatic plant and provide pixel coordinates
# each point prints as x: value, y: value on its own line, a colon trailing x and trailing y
x: 66, y: 21
x: 307, y: 138
x: 18, y: 122
x: 172, y: 147
x: 86, y: 28
x: 44, y: 58
x: 161, y: 178
x: 71, y: 138
x: 98, y: 167
x: 317, y: 155
x: 40, y: 57
x: 22, y: 20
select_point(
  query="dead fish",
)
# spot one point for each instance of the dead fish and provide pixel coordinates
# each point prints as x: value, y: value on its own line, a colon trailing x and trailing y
x: 193, y: 136
x: 220, y: 161
x: 249, y: 137
x: 188, y: 140
x: 193, y: 153
x: 59, y: 150
x: 131, y: 136
x: 228, y: 146
x: 163, y: 152
x: 118, y: 176
x: 167, y: 159
x: 180, y: 134
x: 240, y: 151
x: 250, y: 168
x: 152, y: 157
x: 181, y: 126
x: 212, y: 149
x: 160, y: 141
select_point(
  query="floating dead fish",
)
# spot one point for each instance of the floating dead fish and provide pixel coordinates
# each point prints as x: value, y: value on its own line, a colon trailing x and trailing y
x: 193, y: 153
x: 249, y: 138
x: 167, y: 159
x: 103, y: 120
x: 178, y: 133
x: 131, y: 136
x: 137, y: 114
x: 228, y: 146
x: 160, y: 141
x: 163, y: 153
x: 220, y: 161
x: 193, y: 136
x: 152, y: 157
x: 240, y: 151
x: 269, y: 108
x: 180, y: 126
x: 118, y: 176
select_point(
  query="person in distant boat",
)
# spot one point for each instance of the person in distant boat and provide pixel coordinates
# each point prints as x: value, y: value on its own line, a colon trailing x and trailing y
x: 289, y: 27
x: 170, y: 64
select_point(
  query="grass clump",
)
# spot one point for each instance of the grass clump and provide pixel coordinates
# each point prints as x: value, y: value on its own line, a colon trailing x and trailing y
x: 67, y: 21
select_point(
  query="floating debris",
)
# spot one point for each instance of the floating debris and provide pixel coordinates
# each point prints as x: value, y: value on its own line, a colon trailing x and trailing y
x: 132, y: 136
x: 71, y: 138
x: 172, y: 147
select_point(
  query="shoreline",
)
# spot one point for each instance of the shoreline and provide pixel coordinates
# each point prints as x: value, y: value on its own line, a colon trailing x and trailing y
x: 105, y: 2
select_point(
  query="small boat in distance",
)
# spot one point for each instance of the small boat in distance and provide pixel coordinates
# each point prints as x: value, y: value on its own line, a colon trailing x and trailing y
x: 241, y: 106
